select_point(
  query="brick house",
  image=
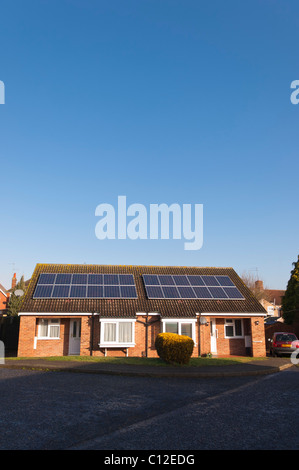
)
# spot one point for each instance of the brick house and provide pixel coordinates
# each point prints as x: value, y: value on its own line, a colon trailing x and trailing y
x: 271, y: 299
x: 119, y: 310
x: 4, y: 296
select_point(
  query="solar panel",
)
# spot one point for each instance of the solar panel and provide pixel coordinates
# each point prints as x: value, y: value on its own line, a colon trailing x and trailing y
x: 150, y: 280
x: 218, y: 287
x: 78, y: 292
x: 128, y: 292
x: 217, y: 292
x: 166, y: 280
x: 170, y: 292
x: 210, y: 281
x: 60, y: 292
x: 111, y: 291
x: 233, y: 293
x: 95, y: 292
x: 46, y: 278
x: 111, y: 279
x: 202, y: 292
x: 195, y: 280
x: 95, y: 279
x: 224, y: 281
x: 79, y: 279
x: 126, y: 279
x: 154, y: 292
x: 186, y: 292
x: 63, y: 279
x: 81, y: 286
x: 181, y: 280
x: 43, y: 292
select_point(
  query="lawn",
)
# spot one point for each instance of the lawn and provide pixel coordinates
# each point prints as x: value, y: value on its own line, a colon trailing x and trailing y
x: 142, y: 361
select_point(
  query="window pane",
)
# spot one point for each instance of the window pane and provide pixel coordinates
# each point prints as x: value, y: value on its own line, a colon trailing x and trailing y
x: 171, y: 327
x: 54, y: 331
x: 229, y: 330
x: 43, y: 328
x: 238, y: 327
x: 186, y: 329
x: 125, y: 332
x: 110, y: 332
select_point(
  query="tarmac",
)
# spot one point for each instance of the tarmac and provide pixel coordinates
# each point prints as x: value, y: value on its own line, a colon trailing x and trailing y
x: 265, y: 366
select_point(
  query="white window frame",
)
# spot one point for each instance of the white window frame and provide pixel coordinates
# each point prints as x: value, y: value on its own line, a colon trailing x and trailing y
x: 51, y: 322
x: 179, y: 322
x: 116, y: 344
x: 231, y: 322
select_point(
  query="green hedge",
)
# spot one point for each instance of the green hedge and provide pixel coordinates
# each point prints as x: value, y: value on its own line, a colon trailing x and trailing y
x: 173, y: 348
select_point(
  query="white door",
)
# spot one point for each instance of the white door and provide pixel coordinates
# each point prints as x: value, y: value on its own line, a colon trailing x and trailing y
x: 214, y: 334
x: 75, y: 337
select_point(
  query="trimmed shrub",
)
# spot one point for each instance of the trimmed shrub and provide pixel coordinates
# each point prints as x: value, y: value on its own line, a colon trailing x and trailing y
x: 173, y: 348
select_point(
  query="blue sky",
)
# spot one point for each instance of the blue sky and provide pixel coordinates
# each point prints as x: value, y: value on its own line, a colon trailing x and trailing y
x: 163, y: 101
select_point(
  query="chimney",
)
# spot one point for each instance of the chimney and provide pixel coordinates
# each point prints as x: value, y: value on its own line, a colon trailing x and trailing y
x: 259, y: 285
x: 14, y: 281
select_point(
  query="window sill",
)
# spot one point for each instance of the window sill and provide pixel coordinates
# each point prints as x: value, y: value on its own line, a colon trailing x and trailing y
x: 46, y: 337
x: 117, y: 345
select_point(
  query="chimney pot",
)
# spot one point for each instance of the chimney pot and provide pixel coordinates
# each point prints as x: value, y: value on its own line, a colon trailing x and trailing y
x: 14, y: 281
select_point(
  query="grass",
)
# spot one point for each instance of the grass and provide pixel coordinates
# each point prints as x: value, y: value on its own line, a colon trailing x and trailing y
x: 142, y: 361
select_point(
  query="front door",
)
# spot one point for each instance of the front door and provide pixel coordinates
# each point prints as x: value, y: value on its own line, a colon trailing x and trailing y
x: 213, y: 333
x: 75, y: 337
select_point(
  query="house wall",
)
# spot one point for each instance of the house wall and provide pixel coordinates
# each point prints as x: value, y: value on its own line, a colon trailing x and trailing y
x: 144, y: 338
x: 3, y: 301
x: 235, y: 346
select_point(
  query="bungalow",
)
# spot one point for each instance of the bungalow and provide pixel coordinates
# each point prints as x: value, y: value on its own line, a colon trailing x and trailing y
x: 108, y: 310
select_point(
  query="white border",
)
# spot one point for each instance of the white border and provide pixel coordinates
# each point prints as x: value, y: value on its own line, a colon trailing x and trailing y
x: 192, y: 321
x: 103, y: 344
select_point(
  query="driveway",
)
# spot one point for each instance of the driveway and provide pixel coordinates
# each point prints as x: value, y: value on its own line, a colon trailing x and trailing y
x: 60, y: 410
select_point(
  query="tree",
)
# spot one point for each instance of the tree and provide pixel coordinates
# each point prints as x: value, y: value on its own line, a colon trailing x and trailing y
x: 254, y: 284
x: 14, y: 303
x: 290, y: 301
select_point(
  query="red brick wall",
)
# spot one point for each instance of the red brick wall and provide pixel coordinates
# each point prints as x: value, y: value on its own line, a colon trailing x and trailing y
x: 3, y: 301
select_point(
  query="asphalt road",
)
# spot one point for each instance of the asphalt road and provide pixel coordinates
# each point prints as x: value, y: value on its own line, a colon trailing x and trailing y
x: 60, y: 410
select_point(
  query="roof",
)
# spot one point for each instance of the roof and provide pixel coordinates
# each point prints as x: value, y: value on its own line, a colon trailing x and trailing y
x: 274, y: 295
x: 3, y: 290
x: 127, y: 308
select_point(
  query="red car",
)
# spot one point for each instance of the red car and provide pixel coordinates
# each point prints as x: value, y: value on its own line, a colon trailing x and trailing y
x: 283, y: 343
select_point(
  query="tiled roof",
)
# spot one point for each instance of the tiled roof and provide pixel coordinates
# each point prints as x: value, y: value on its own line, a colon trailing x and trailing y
x: 274, y: 295
x: 129, y: 307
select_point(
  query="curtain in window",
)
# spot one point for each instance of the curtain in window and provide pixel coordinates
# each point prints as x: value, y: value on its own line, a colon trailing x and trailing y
x: 125, y: 332
x: 54, y: 331
x: 43, y: 327
x: 109, y: 332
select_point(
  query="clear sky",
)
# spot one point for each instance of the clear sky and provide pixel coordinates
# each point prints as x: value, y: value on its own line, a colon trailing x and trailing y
x: 164, y: 101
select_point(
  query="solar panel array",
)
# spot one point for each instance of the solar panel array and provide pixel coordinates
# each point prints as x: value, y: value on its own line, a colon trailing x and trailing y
x: 85, y: 286
x: 161, y: 286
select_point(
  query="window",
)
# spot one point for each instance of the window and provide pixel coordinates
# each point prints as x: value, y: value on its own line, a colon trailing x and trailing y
x: 271, y: 310
x: 49, y: 329
x: 233, y: 328
x: 180, y: 327
x: 117, y: 333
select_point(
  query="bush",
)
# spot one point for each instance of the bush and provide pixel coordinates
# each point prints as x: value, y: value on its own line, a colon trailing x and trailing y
x: 173, y: 348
